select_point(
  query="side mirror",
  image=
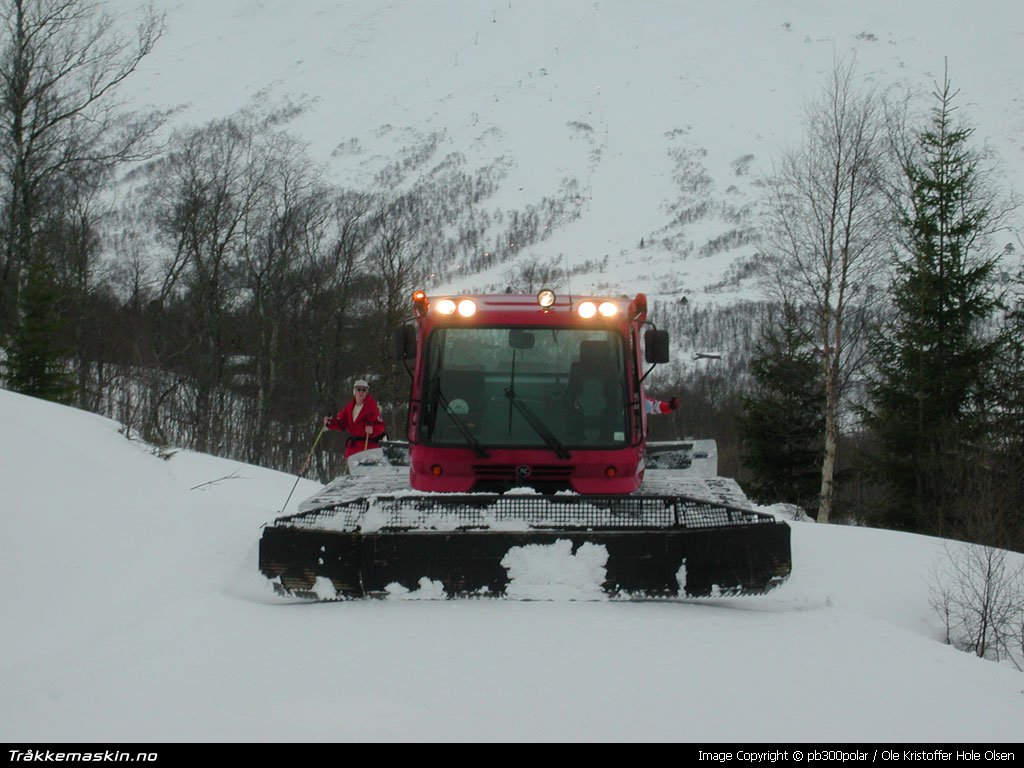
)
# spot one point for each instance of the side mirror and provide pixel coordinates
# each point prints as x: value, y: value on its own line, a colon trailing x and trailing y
x: 656, y: 346
x: 404, y: 337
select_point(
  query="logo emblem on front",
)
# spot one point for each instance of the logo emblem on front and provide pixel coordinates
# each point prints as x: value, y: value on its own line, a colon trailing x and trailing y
x: 522, y: 472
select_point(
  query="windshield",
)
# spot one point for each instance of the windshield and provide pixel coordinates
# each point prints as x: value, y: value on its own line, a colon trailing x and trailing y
x: 517, y: 387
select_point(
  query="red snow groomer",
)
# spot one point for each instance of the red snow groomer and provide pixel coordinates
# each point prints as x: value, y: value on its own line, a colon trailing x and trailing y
x: 527, y: 440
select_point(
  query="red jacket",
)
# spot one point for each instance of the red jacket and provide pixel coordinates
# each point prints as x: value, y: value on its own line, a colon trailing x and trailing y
x: 369, y: 416
x: 653, y: 405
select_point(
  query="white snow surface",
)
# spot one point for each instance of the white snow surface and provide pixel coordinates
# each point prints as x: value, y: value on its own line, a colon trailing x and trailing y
x: 133, y: 610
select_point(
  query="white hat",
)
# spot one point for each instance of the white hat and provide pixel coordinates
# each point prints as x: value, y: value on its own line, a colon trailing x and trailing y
x: 361, y: 383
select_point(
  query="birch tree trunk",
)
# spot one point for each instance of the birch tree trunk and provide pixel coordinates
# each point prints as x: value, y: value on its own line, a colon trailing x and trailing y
x: 826, y: 236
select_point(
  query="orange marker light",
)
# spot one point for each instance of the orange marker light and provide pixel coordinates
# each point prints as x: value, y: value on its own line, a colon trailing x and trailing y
x: 419, y: 302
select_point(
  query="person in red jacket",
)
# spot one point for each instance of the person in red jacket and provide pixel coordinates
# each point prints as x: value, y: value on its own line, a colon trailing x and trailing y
x: 360, y: 418
x: 651, y: 405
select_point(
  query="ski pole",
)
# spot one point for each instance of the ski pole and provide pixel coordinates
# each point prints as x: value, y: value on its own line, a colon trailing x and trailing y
x: 304, y: 467
x: 366, y: 442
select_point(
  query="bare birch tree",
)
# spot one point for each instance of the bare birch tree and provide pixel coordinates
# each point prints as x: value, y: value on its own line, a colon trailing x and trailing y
x: 61, y: 64
x: 827, y: 235
x: 201, y: 197
x: 284, y: 234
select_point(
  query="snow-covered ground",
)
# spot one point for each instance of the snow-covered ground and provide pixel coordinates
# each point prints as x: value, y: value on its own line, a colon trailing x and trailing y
x: 133, y: 610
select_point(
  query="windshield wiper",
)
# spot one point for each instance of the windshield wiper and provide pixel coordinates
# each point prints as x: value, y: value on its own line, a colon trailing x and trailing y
x: 538, y: 425
x: 478, y: 448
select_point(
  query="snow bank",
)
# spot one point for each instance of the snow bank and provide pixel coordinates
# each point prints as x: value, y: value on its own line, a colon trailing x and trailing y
x: 555, y: 572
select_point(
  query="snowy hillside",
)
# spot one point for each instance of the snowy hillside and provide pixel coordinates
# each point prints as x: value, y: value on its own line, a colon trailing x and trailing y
x: 134, y: 611
x: 603, y: 123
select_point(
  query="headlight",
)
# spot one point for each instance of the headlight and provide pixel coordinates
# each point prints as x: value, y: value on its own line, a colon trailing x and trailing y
x: 446, y: 307
x: 546, y: 298
x: 467, y: 307
x: 587, y: 310
x: 608, y: 309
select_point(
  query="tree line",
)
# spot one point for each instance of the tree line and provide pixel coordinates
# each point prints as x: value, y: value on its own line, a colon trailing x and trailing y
x: 896, y: 333
x: 245, y: 292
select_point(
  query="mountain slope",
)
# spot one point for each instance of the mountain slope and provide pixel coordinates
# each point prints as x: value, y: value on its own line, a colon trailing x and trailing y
x: 611, y: 122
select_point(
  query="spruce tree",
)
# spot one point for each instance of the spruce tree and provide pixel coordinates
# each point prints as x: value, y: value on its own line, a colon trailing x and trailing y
x: 37, y: 361
x: 783, y: 420
x: 1007, y: 417
x: 927, y: 396
x: 1009, y: 413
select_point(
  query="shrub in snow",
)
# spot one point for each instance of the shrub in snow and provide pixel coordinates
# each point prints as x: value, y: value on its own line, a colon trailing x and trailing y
x: 979, y: 594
